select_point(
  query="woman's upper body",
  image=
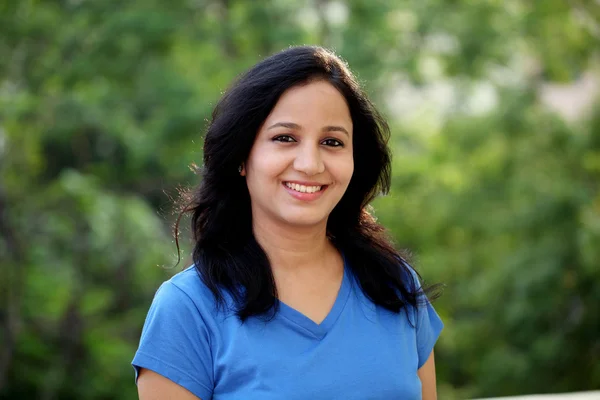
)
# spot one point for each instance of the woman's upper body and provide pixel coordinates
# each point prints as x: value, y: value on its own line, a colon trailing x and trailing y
x: 293, y: 156
x: 358, y: 351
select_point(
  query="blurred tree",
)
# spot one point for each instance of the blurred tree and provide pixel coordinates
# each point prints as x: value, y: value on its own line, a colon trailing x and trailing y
x: 506, y: 214
x: 102, y: 106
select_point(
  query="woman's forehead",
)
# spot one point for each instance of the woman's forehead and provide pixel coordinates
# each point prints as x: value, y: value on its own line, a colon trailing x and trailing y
x: 315, y: 102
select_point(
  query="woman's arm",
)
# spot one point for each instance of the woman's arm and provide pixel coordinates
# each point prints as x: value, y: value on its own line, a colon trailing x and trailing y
x: 152, y: 386
x: 427, y: 375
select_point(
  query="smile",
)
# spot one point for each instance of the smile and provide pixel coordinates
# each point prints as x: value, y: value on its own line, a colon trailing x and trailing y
x: 303, y: 189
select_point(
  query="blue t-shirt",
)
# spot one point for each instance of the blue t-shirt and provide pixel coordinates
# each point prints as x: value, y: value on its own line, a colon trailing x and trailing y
x: 360, y: 351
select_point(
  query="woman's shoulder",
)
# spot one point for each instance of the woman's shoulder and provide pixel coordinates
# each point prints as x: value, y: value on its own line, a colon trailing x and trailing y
x: 189, y: 282
x: 186, y: 288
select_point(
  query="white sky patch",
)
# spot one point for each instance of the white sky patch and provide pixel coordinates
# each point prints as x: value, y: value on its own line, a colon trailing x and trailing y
x: 483, y: 98
x: 430, y: 67
x: 430, y: 104
x: 441, y: 94
x: 420, y: 105
x: 402, y: 98
x: 442, y: 43
x: 505, y: 76
x: 337, y: 13
x: 308, y: 18
x: 572, y: 101
x: 583, y: 18
x: 519, y: 68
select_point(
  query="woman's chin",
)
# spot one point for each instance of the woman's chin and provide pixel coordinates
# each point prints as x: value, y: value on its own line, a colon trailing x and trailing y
x: 305, y: 220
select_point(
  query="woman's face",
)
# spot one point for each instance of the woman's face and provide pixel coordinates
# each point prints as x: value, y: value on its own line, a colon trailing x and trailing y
x: 301, y: 161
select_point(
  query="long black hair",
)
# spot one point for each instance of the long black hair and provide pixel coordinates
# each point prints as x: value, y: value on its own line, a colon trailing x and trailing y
x: 226, y: 253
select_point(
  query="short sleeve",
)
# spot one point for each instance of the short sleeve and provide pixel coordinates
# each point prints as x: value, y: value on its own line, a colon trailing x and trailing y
x: 429, y: 325
x: 175, y: 342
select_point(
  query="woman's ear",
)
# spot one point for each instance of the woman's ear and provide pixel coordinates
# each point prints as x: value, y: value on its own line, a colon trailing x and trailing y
x: 242, y: 170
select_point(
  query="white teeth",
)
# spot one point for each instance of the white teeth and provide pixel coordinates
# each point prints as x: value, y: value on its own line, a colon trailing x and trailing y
x: 302, y: 188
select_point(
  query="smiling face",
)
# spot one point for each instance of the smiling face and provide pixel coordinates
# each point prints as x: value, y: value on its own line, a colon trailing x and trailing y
x: 301, y: 161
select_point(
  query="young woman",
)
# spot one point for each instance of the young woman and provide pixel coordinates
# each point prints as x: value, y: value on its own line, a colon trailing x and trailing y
x: 296, y: 291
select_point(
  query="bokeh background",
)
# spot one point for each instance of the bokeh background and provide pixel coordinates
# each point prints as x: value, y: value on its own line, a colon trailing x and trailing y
x: 495, y: 112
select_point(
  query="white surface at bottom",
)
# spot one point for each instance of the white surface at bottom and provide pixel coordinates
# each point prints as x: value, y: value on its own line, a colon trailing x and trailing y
x: 561, y: 396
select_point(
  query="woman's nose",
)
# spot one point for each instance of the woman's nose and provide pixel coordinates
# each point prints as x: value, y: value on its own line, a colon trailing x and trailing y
x: 308, y: 160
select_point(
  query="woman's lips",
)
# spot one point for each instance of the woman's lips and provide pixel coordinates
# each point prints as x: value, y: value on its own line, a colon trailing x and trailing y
x: 304, y: 191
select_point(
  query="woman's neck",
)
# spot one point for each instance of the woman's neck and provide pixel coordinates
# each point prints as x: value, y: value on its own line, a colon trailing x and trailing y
x: 294, y: 248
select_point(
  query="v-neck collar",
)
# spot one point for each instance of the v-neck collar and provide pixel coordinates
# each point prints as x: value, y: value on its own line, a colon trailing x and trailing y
x: 320, y: 330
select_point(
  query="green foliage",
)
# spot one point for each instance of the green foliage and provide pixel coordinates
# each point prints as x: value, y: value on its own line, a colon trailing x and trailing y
x: 500, y: 215
x: 102, y: 107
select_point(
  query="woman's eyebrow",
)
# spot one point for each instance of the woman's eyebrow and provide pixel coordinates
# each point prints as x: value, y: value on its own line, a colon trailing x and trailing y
x: 291, y: 125
x: 336, y: 128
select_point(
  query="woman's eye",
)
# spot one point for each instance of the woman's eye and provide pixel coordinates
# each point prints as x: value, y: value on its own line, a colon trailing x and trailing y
x: 333, y: 143
x: 284, y: 138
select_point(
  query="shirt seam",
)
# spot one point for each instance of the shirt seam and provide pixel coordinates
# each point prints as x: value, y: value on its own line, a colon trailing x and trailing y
x: 176, y: 369
x: 210, y: 338
x: 332, y: 324
x: 305, y: 329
